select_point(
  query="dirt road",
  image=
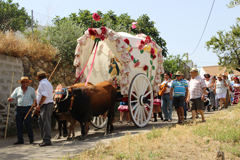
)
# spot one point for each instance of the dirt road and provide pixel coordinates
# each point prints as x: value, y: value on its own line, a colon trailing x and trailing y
x: 62, y: 147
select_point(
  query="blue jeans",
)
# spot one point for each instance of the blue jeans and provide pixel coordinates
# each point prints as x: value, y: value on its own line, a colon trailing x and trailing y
x: 185, y: 109
x: 167, y: 106
x: 20, y: 114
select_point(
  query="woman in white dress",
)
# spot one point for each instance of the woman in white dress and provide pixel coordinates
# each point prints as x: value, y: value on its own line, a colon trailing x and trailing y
x: 220, y: 90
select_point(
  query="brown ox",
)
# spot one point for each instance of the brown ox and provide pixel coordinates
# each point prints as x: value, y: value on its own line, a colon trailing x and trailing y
x: 88, y: 101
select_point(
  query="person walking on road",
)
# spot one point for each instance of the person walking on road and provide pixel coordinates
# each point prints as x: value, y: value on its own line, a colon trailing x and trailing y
x: 45, y: 106
x: 165, y: 99
x: 180, y: 89
x: 25, y: 96
x: 228, y: 101
x: 196, y: 94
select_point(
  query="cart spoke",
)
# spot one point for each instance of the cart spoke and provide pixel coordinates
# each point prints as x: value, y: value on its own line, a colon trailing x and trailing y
x: 143, y: 84
x: 147, y: 93
x: 142, y: 115
x: 134, y: 95
x: 148, y: 105
x: 98, y: 121
x: 101, y: 120
x: 134, y: 101
x: 139, y: 111
x: 134, y: 107
x: 136, y: 111
x: 150, y: 99
x: 146, y: 111
x: 145, y: 89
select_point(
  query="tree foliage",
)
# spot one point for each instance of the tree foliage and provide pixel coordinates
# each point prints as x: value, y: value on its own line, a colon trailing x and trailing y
x: 233, y: 3
x: 12, y: 17
x: 118, y: 23
x: 171, y: 64
x: 227, y: 47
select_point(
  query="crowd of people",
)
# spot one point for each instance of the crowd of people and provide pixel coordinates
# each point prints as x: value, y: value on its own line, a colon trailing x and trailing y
x: 194, y: 95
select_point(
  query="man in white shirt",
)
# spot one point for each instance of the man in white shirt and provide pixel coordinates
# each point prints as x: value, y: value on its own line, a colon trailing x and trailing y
x: 45, y: 106
x: 166, y: 101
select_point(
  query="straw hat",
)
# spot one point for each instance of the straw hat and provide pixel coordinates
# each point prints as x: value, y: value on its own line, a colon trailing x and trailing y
x: 179, y: 73
x: 194, y: 70
x: 41, y: 73
x: 25, y: 79
x: 219, y: 75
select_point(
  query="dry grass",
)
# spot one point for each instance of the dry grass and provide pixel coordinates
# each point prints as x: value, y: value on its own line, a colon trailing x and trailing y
x: 12, y: 45
x: 188, y: 141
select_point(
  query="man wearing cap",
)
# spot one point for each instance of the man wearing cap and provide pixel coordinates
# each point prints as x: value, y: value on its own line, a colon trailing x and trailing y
x: 180, y: 89
x: 45, y: 106
x: 196, y: 94
x: 25, y: 96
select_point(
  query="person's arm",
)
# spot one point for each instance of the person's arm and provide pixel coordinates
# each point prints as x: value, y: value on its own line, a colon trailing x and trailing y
x: 225, y: 83
x: 13, y: 96
x: 43, y: 92
x: 204, y: 93
x: 186, y: 89
x: 171, y: 91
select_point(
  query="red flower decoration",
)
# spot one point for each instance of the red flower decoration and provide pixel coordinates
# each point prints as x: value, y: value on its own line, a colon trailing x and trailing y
x: 104, y: 30
x: 137, y: 64
x: 141, y: 46
x: 91, y: 31
x: 132, y: 58
x: 154, y: 56
x: 96, y: 17
x: 142, y: 42
x: 145, y: 68
x: 152, y: 51
x: 102, y: 37
x: 127, y: 41
x: 148, y: 40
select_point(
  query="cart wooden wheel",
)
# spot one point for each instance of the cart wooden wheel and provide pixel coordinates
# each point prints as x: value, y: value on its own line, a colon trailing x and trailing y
x: 140, y: 100
x: 99, y: 122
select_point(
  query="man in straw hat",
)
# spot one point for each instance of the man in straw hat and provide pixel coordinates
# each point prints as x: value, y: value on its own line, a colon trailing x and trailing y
x: 45, y: 106
x: 196, y: 94
x: 180, y: 89
x: 25, y: 96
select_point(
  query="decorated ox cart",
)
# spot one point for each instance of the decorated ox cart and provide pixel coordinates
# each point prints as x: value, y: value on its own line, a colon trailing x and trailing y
x: 137, y: 68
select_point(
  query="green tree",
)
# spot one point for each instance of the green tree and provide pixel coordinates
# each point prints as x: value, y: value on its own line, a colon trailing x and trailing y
x: 226, y: 46
x: 171, y: 64
x: 233, y: 3
x: 119, y: 24
x: 63, y: 36
x: 12, y: 17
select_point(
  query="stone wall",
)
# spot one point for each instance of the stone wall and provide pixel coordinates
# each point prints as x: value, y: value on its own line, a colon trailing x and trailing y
x: 25, y: 67
x: 8, y: 65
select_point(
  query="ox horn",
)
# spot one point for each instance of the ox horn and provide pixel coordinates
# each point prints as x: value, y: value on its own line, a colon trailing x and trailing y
x: 66, y: 96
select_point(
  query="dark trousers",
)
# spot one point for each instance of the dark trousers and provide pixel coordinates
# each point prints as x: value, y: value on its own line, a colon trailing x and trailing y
x: 20, y: 114
x: 44, y: 121
x: 185, y: 109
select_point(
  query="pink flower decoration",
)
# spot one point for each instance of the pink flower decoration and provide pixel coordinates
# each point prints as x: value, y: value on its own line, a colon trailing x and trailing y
x: 142, y: 42
x: 152, y: 51
x: 134, y: 25
x: 141, y: 46
x: 104, y: 30
x: 137, y: 64
x: 96, y: 17
x: 132, y: 58
x: 130, y: 50
x: 102, y: 37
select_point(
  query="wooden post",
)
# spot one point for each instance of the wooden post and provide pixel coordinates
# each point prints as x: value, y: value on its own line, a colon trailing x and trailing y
x: 8, y: 108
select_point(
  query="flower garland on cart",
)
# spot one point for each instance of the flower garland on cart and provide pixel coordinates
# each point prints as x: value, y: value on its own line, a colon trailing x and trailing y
x: 101, y: 34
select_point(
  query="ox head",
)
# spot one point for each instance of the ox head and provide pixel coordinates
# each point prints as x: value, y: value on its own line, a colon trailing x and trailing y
x: 62, y: 99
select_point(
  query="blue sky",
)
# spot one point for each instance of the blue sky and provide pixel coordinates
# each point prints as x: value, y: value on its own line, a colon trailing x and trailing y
x: 180, y: 22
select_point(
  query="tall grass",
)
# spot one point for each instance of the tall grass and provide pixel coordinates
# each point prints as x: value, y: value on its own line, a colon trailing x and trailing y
x: 13, y: 45
x: 187, y: 141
